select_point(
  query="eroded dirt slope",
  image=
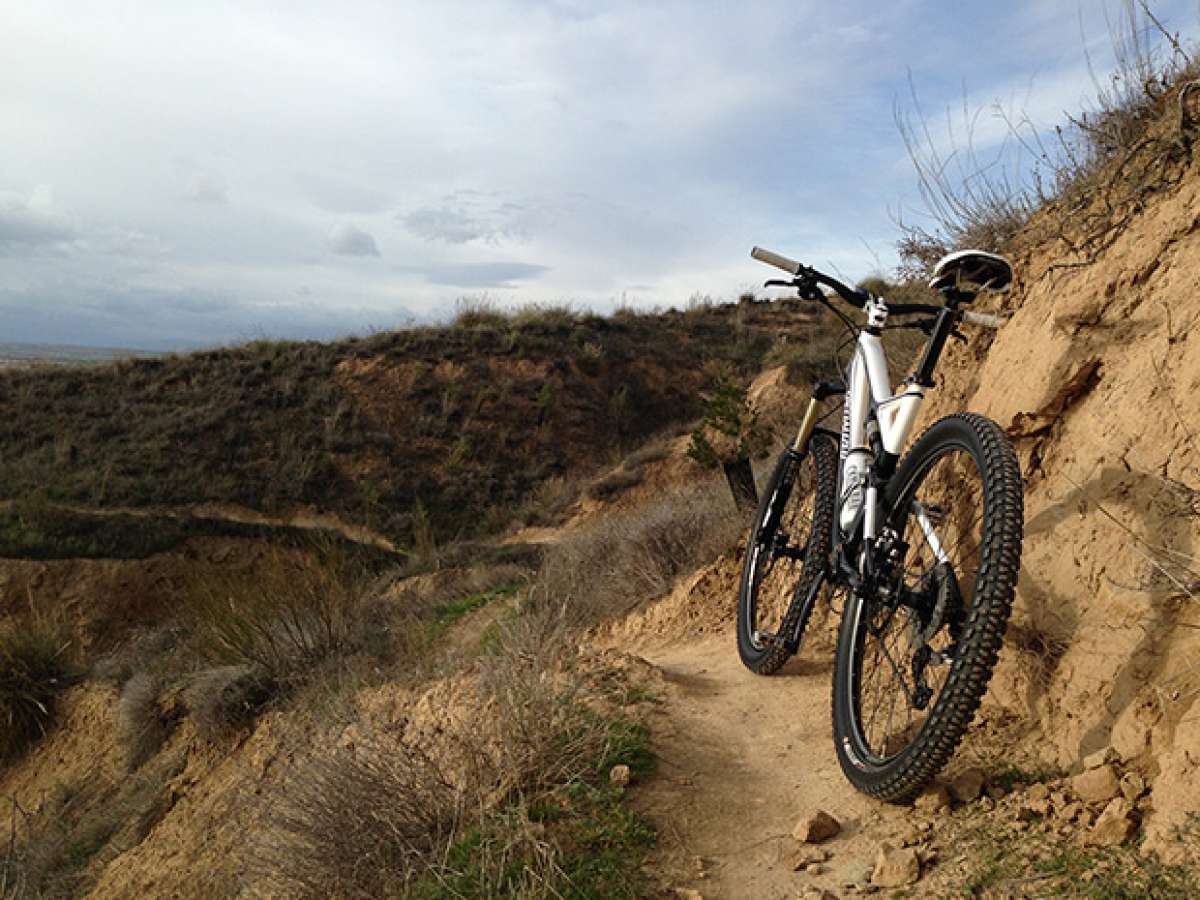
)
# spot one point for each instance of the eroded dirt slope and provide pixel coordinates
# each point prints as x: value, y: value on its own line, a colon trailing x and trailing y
x: 1095, y: 377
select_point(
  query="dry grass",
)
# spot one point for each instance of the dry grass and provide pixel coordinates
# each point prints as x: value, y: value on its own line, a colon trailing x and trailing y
x: 363, y: 824
x: 280, y: 616
x: 57, y: 849
x: 615, y: 482
x: 608, y: 567
x: 141, y: 729
x: 1084, y: 183
x: 389, y: 819
x: 35, y: 666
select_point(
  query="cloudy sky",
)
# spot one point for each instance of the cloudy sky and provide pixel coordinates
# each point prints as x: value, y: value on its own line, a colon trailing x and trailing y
x: 176, y: 173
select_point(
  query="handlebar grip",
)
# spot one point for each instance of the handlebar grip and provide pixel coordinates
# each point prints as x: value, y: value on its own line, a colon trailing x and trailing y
x: 774, y: 259
x: 981, y: 319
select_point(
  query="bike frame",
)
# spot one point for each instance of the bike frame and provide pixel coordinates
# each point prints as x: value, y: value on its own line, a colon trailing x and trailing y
x: 871, y: 406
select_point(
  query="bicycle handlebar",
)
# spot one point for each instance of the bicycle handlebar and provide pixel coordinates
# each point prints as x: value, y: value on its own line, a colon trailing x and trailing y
x: 859, y: 297
x: 799, y: 270
x: 777, y: 260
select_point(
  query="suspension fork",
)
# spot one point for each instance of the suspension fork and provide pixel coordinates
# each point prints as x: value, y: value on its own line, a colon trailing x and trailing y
x: 822, y: 391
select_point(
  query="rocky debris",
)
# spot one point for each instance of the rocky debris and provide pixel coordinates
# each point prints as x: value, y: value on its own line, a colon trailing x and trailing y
x: 1115, y: 825
x: 619, y: 775
x: 688, y: 894
x: 1068, y: 812
x: 933, y: 799
x: 1096, y: 785
x: 808, y: 858
x: 1034, y: 809
x: 815, y: 893
x: 1133, y: 786
x: 1099, y: 758
x: 968, y: 785
x: 816, y: 827
x: 1037, y: 791
x: 896, y: 867
x: 854, y: 875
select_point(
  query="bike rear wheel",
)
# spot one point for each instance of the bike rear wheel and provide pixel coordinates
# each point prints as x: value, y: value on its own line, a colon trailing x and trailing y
x: 914, y: 660
x: 786, y: 553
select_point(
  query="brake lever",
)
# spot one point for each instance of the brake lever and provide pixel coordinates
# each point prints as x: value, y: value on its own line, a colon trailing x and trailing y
x: 775, y: 282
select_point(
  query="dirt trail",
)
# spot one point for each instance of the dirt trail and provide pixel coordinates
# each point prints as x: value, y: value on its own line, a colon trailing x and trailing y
x: 742, y: 758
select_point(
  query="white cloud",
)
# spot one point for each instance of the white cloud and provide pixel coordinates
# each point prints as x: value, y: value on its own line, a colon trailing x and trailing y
x: 32, y: 220
x: 347, y: 240
x: 247, y: 150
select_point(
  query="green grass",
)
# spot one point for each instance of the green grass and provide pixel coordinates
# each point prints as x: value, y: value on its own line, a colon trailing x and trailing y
x: 447, y: 614
x: 1116, y: 874
x: 579, y: 840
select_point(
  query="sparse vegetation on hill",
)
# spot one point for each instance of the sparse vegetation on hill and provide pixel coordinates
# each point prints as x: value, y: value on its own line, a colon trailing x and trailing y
x: 460, y: 424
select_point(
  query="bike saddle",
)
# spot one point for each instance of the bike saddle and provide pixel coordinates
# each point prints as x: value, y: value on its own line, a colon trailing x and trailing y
x: 972, y: 271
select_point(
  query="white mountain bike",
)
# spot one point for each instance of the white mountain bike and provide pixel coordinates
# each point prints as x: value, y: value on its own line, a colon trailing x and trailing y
x: 925, y: 549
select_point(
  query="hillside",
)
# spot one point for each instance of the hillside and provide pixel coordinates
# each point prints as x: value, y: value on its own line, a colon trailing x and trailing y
x: 450, y: 428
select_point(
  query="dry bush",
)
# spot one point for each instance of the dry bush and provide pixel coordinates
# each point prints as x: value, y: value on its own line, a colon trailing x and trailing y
x: 279, y: 617
x: 34, y: 668
x: 548, y: 502
x: 605, y: 568
x: 391, y: 820
x: 650, y: 452
x: 1092, y: 176
x: 141, y: 729
x: 49, y: 851
x: 615, y: 482
x: 361, y: 823
x: 224, y: 699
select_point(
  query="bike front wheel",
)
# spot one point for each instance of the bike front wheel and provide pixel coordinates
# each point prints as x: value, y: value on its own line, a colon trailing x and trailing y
x: 788, y: 547
x: 915, y: 656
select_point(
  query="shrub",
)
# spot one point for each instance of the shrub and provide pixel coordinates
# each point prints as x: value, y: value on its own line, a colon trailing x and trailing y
x: 603, y: 569
x: 361, y: 823
x: 140, y: 726
x: 1097, y: 169
x: 279, y: 617
x: 731, y: 421
x: 34, y: 669
x: 614, y: 482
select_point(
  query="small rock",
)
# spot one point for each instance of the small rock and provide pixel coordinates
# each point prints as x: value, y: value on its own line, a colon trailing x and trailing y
x: 1069, y: 811
x: 996, y: 791
x: 1037, y: 792
x: 688, y: 894
x: 855, y: 874
x: 933, y: 799
x: 812, y: 829
x: 896, y: 867
x: 619, y: 775
x: 1115, y: 825
x: 968, y: 785
x: 987, y: 804
x: 1099, y: 758
x: 1133, y: 786
x: 1096, y: 785
x: 807, y: 857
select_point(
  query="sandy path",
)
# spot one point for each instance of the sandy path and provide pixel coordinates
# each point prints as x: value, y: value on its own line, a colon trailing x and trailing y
x: 742, y: 758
